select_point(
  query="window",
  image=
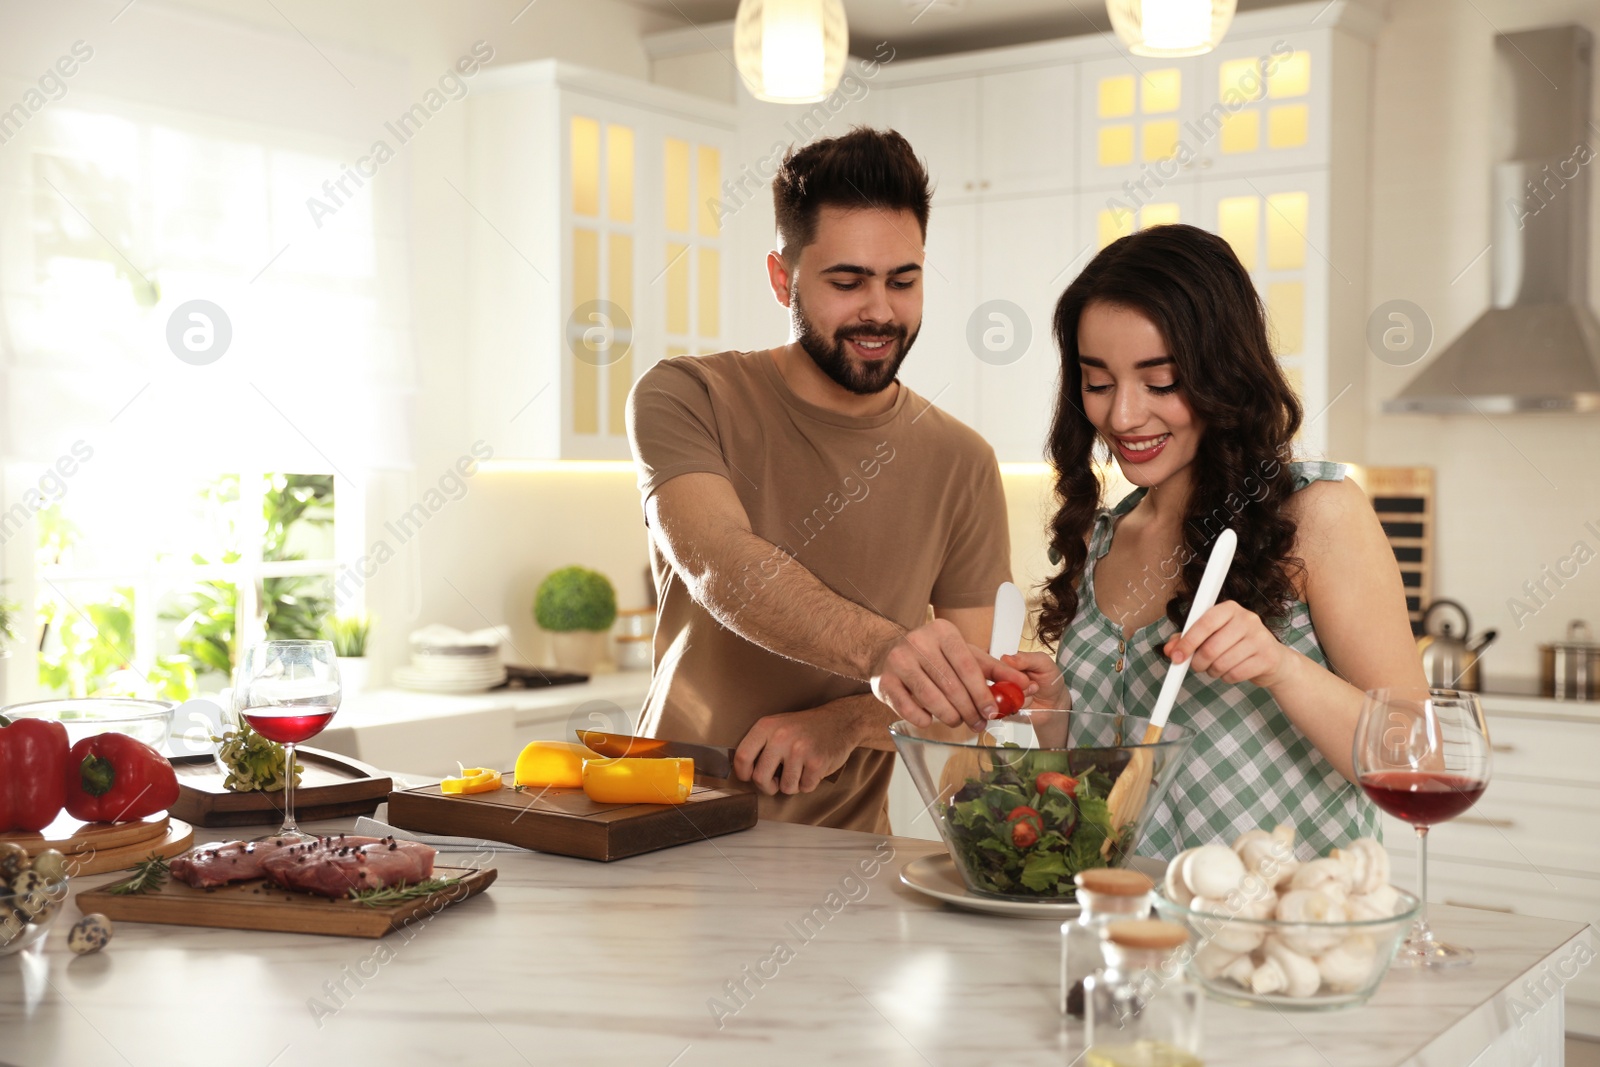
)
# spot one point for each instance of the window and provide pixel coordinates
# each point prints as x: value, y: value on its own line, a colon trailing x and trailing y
x: 159, y: 513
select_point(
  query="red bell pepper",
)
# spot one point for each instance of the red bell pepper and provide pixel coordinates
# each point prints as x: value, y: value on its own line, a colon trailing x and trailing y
x: 116, y: 778
x: 33, y: 754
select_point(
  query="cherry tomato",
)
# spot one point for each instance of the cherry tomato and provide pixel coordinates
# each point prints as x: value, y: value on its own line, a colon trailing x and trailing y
x: 1008, y: 697
x: 1025, y: 826
x: 1060, y: 781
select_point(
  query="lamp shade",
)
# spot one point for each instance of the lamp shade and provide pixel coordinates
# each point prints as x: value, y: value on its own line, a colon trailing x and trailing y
x: 1170, y: 28
x: 790, y: 51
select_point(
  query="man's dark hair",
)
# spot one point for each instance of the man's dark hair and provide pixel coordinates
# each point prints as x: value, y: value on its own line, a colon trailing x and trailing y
x: 863, y: 168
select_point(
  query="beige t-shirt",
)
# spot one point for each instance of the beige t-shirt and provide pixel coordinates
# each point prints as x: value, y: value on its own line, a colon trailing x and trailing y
x: 895, y: 512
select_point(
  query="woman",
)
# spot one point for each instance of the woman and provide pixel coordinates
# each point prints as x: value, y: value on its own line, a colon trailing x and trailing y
x: 1165, y: 362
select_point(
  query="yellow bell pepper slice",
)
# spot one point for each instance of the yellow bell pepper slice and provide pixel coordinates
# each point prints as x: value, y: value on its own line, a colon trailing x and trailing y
x: 472, y: 780
x: 552, y: 764
x: 636, y: 780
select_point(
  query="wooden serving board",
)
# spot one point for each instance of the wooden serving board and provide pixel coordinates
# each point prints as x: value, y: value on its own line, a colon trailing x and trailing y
x: 178, y: 837
x: 331, y: 787
x: 70, y: 835
x: 258, y: 905
x: 567, y: 822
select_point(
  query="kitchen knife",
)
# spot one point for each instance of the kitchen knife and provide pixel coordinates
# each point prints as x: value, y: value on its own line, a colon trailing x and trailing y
x: 1005, y: 636
x: 712, y: 761
x: 1010, y: 612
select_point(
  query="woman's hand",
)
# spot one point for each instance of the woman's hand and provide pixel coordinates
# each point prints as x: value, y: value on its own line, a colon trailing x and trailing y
x: 1045, y: 673
x: 1231, y: 643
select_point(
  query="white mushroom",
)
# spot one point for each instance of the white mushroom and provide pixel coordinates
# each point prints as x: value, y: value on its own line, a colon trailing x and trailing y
x: 1240, y: 971
x: 1176, y: 889
x: 1226, y: 931
x: 1211, y: 959
x: 1348, y: 965
x: 1377, y: 864
x: 1213, y: 871
x: 1253, y: 897
x: 1303, y: 977
x: 1328, y: 876
x: 1378, y: 904
x: 1250, y: 837
x: 1356, y: 861
x: 1313, y: 909
x: 1266, y: 856
x: 1268, y: 978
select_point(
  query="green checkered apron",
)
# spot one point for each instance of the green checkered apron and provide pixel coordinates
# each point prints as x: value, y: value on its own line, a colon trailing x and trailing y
x: 1249, y: 766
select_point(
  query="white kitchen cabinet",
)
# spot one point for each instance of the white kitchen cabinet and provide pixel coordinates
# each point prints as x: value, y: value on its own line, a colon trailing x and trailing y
x: 1025, y: 134
x: 941, y: 367
x: 940, y: 120
x: 595, y: 249
x: 1028, y: 249
x: 992, y: 134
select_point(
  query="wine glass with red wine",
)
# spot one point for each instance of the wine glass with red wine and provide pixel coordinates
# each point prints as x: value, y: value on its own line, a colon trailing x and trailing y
x: 1422, y: 755
x: 288, y: 691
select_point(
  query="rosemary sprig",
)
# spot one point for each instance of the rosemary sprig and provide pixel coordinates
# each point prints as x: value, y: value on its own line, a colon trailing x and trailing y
x: 401, y: 892
x: 148, y: 874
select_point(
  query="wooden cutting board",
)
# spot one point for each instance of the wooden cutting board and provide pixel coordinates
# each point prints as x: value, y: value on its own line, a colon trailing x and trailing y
x: 70, y: 835
x: 331, y: 787
x: 178, y: 836
x: 258, y: 905
x: 567, y: 822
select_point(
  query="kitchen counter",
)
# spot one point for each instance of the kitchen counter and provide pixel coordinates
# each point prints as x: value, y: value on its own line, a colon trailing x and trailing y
x: 769, y: 946
x: 429, y: 734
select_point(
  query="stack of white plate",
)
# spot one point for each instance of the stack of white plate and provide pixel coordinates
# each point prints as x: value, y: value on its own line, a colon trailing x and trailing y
x: 445, y: 660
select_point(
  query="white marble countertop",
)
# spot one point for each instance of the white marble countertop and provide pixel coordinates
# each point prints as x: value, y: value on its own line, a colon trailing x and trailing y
x: 568, y: 961
x: 393, y: 705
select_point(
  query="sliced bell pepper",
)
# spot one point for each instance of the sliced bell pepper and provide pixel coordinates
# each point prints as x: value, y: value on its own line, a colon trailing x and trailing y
x: 116, y: 778
x: 552, y: 764
x: 33, y: 783
x: 472, y: 780
x: 639, y: 780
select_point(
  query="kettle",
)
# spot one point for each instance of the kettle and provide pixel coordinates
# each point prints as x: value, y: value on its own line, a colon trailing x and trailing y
x: 1451, y: 662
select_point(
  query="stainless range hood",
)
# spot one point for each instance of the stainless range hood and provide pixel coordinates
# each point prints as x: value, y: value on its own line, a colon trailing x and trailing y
x: 1537, y: 348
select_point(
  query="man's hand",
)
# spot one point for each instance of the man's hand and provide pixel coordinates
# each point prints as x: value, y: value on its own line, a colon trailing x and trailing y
x: 809, y: 746
x: 933, y: 672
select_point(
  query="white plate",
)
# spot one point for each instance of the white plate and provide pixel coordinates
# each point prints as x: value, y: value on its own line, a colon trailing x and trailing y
x: 936, y: 876
x: 407, y: 678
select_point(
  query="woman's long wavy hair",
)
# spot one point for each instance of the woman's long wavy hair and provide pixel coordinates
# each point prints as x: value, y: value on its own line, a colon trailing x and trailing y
x: 1192, y: 287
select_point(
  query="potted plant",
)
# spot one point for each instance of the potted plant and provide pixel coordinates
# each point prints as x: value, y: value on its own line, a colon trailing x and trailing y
x: 10, y: 611
x: 577, y: 606
x: 349, y: 636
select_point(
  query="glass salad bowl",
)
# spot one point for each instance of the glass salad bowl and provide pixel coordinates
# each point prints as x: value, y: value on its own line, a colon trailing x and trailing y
x: 149, y: 721
x: 1041, y: 795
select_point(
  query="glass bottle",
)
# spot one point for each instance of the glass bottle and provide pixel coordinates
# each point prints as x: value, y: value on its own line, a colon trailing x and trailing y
x: 1139, y: 1009
x: 1104, y: 894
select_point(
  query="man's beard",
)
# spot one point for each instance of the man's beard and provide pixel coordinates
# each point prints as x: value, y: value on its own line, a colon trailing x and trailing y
x: 835, y: 360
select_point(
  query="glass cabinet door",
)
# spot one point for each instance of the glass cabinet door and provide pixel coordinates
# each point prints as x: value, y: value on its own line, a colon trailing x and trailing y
x: 691, y: 268
x: 1134, y: 116
x: 598, y: 350
x: 1265, y: 105
x: 1278, y: 227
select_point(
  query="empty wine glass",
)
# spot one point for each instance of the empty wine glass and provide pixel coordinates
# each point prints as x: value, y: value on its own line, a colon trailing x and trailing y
x: 1422, y: 755
x: 288, y: 691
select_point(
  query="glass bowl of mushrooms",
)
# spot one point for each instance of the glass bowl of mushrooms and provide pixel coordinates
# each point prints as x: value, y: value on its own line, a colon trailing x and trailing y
x: 1268, y: 929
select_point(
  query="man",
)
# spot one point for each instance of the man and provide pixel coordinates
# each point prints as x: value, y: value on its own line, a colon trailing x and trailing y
x: 805, y: 509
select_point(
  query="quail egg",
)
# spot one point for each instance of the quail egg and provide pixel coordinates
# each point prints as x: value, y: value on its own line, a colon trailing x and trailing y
x: 89, y: 934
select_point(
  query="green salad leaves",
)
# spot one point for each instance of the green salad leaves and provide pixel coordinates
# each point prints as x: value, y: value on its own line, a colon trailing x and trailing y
x: 1025, y: 827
